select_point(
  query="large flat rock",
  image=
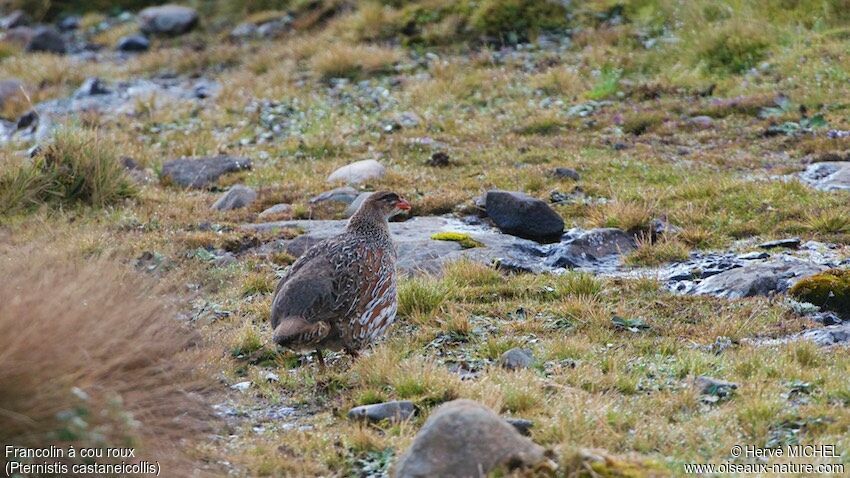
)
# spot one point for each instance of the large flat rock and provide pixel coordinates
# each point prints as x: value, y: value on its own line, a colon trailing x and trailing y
x: 828, y: 176
x: 766, y: 278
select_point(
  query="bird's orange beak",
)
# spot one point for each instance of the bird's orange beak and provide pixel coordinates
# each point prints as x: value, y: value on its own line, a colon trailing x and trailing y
x: 403, y: 205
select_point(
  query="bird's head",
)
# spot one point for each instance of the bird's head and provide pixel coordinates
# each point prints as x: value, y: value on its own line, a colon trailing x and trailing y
x: 385, y: 203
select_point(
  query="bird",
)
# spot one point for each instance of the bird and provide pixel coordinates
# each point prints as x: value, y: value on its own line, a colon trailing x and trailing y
x: 341, y: 293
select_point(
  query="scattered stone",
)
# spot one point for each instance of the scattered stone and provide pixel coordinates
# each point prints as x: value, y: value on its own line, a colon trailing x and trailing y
x: 591, y: 249
x: 701, y: 122
x: 278, y: 212
x: 241, y: 386
x: 522, y: 425
x: 358, y: 172
x: 92, y: 86
x: 203, y: 172
x: 169, y: 20
x: 17, y: 18
x: 11, y: 91
x: 355, y: 205
x: 827, y: 336
x: 408, y: 119
x: 345, y: 194
x: 790, y: 243
x: 69, y: 23
x: 270, y: 376
x: 26, y: 120
x: 523, y: 216
x: 465, y: 438
x: 757, y: 279
x: 133, y: 43
x: 237, y: 197
x: 516, y: 358
x: 396, y: 411
x: 660, y: 226
x: 753, y: 256
x: 46, y: 39
x: 831, y: 176
x: 566, y: 173
x: 244, y: 30
x: 714, y: 389
x: 438, y: 159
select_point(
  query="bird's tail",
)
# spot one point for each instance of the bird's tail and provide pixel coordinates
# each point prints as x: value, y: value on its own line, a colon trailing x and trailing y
x: 297, y: 332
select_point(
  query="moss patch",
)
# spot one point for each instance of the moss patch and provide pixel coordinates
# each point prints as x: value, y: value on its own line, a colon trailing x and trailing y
x: 829, y: 290
x: 465, y: 240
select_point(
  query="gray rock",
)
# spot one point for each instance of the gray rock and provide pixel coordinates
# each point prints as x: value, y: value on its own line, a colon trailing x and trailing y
x: 46, y: 39
x: 244, y: 30
x: 408, y: 119
x: 355, y: 205
x: 17, y: 18
x: 345, y: 194
x: 597, y: 248
x: 522, y: 425
x: 712, y: 386
x: 753, y: 256
x: 92, y: 86
x: 827, y: 336
x: 11, y: 90
x: 790, y: 243
x: 516, y: 358
x: 523, y: 216
x: 358, y: 172
x: 241, y: 386
x: 203, y: 172
x: 168, y: 20
x: 758, y: 279
x: 276, y: 212
x: 831, y: 176
x: 237, y: 197
x: 464, y: 438
x: 70, y: 23
x: 701, y: 122
x: 397, y: 411
x: 566, y: 173
x: 133, y: 43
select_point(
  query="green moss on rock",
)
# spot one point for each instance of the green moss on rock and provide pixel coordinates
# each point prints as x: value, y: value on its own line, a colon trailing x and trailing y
x: 462, y: 238
x: 828, y: 290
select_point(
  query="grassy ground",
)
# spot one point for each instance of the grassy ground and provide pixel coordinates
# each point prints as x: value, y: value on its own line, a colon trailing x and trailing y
x: 615, y: 104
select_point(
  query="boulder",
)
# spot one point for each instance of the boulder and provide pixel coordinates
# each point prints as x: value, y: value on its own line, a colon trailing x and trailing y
x: 790, y: 243
x: 278, y: 212
x: 203, y: 172
x: 832, y: 176
x: 591, y: 249
x: 758, y: 278
x: 516, y: 358
x: 170, y: 20
x: 523, y: 216
x: 463, y: 438
x: 237, y: 197
x: 358, y: 172
x: 92, y: 86
x: 133, y: 43
x: 345, y: 194
x: 396, y: 411
x: 46, y: 39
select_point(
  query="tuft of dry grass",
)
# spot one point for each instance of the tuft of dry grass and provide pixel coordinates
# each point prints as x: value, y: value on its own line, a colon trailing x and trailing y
x: 353, y: 61
x: 88, y: 357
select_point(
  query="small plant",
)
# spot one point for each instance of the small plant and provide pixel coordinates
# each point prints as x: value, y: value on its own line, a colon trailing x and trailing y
x: 465, y: 240
x: 642, y: 123
x: 353, y: 62
x: 258, y: 283
x: 649, y: 253
x: 543, y: 125
x: 733, y: 49
x: 607, y: 84
x: 515, y: 20
x: 828, y: 290
x: 420, y: 295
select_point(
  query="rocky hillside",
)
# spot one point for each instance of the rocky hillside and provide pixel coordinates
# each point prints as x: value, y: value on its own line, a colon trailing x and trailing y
x: 629, y: 247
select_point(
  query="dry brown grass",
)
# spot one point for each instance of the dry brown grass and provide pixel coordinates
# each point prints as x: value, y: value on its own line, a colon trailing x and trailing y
x: 88, y: 357
x: 347, y: 61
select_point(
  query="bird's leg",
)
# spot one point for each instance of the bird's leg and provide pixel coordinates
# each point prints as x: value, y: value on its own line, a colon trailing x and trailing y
x: 320, y: 359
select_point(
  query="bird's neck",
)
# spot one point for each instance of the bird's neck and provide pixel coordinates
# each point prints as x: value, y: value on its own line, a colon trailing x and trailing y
x: 368, y: 222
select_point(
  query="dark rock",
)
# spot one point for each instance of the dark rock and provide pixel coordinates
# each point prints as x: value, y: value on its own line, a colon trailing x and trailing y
x: 589, y: 249
x: 516, y: 358
x: 46, y: 39
x: 69, y: 23
x: 790, y: 243
x: 133, y: 43
x: 397, y: 411
x: 168, y: 20
x: 712, y: 386
x: 832, y: 176
x: 237, y: 197
x: 27, y: 119
x: 524, y: 216
x: 202, y: 173
x: 757, y: 279
x: 439, y: 159
x: 464, y: 438
x: 17, y: 18
x: 345, y: 194
x: 92, y: 86
x: 522, y: 425
x: 566, y: 173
